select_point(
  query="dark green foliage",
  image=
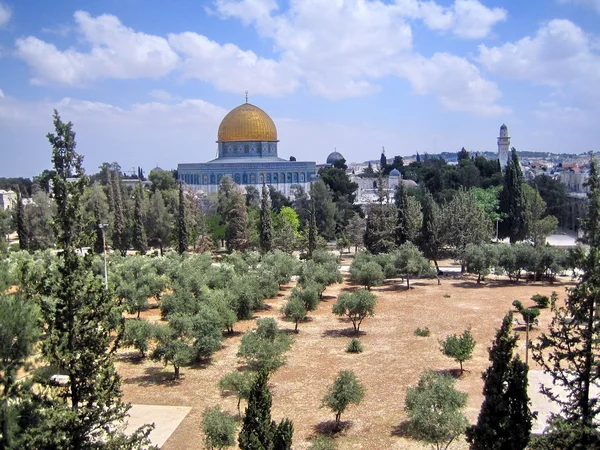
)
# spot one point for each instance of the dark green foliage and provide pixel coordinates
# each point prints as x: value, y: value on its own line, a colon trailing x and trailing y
x: 434, y: 408
x: 161, y: 180
x: 312, y: 229
x: 555, y: 195
x: 259, y: 432
x: 459, y: 347
x: 22, y: 231
x: 160, y: 222
x: 401, y: 202
x: 319, y: 275
x: 284, y: 433
x: 542, y: 301
x: 431, y: 238
x: 380, y: 236
x: 218, y: 428
x: 282, y: 265
x: 517, y: 304
x: 422, y: 332
x: 308, y: 295
x: 140, y: 242
x: 173, y: 346
x: 529, y: 315
x: 324, y: 209
x: 354, y: 346
x: 182, y: 234
x: 137, y: 334
x: 357, y: 306
x: 505, y: 418
x: 479, y: 259
x: 264, y: 348
x: 345, y: 389
x: 266, y: 222
x: 512, y: 201
x: 18, y: 334
x: 120, y: 237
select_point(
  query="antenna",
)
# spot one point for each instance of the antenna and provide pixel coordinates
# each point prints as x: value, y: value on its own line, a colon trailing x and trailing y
x: 246, y: 96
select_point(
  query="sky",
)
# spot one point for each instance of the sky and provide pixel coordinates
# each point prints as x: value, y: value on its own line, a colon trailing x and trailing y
x: 147, y: 82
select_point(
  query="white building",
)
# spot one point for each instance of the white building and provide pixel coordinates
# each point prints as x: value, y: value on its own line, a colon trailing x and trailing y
x: 8, y: 199
x: 503, y: 146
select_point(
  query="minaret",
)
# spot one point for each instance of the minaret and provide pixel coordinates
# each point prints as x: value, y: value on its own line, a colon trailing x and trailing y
x: 503, y: 146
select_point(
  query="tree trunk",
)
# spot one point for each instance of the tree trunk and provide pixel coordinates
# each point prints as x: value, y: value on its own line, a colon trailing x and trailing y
x: 407, y: 282
x: 461, y: 368
x: 478, y: 278
x: 296, y: 327
x: 176, y: 372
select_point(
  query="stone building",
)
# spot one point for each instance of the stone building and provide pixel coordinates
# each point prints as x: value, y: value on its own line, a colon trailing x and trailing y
x: 503, y: 146
x: 247, y: 153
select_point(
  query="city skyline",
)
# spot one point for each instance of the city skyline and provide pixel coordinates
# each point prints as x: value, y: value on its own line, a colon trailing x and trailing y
x: 148, y: 85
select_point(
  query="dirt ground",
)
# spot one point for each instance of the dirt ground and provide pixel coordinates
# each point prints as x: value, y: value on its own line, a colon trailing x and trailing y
x: 392, y: 360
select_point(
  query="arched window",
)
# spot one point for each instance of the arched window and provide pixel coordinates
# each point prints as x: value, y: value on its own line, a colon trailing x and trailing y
x: 213, y: 180
x: 238, y: 178
x: 268, y: 178
x: 289, y: 177
x: 296, y: 177
x: 282, y: 177
x: 245, y: 178
x: 275, y: 178
x: 302, y: 178
x: 252, y: 178
x: 262, y: 178
x: 204, y: 179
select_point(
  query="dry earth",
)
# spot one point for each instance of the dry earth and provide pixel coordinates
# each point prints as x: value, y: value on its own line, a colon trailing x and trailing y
x: 393, y: 360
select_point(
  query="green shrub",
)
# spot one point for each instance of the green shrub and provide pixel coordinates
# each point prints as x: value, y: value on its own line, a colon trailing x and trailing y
x: 354, y: 346
x: 529, y: 315
x: 423, y: 332
x: 542, y: 301
x: 446, y: 295
x: 517, y: 304
x: 553, y: 300
x: 322, y: 443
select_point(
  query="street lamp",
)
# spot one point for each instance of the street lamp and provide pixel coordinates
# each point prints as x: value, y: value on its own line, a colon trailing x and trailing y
x: 102, y: 226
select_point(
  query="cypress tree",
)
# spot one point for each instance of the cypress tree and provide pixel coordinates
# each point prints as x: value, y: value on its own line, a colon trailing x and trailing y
x: 312, y: 228
x: 266, y: 222
x: 140, y: 243
x: 431, y: 239
x: 97, y: 214
x: 182, y: 238
x: 401, y: 201
x: 569, y: 351
x: 283, y: 435
x: 22, y: 229
x: 505, y: 419
x: 512, y: 201
x: 79, y: 337
x: 257, y: 427
x: 120, y: 238
x: 236, y: 234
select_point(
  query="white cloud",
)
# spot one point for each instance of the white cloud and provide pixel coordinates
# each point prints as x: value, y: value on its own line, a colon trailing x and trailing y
x: 456, y: 83
x: 554, y: 112
x: 1, y: 93
x: 589, y: 3
x: 160, y: 94
x: 229, y: 68
x: 115, y: 52
x: 560, y: 55
x: 5, y: 14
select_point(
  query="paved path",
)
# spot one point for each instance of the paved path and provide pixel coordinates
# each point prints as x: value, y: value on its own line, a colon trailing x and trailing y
x: 165, y: 418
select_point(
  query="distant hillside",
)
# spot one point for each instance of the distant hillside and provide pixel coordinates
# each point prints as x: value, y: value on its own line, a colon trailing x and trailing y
x: 453, y: 157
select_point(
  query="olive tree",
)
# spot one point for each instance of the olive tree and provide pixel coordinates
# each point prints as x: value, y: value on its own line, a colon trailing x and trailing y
x: 356, y: 306
x: 459, y: 347
x: 345, y: 389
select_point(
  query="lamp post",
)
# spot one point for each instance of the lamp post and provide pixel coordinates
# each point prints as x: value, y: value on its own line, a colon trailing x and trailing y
x: 102, y: 226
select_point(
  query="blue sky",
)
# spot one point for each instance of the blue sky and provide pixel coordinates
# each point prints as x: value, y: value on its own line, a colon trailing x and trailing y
x: 147, y: 82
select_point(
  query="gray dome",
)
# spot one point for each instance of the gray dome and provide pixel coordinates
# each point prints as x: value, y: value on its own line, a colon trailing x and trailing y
x: 333, y: 157
x: 395, y: 173
x: 503, y: 127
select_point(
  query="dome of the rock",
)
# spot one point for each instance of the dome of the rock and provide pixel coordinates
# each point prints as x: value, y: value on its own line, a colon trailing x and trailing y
x: 334, y: 156
x: 247, y: 123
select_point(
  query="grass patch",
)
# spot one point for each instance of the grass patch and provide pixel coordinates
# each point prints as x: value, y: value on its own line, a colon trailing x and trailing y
x: 423, y: 332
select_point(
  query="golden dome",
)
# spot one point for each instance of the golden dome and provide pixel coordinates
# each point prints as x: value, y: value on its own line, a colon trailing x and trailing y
x: 247, y: 123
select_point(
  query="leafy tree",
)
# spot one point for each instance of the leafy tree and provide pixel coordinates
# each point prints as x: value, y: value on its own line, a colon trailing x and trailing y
x: 356, y: 231
x: 38, y: 216
x: 312, y: 229
x: 464, y: 222
x: 182, y: 233
x: 414, y: 220
x: 239, y: 384
x: 278, y: 200
x: 434, y: 407
x: 264, y: 347
x: 137, y: 335
x: 479, y: 259
x: 159, y: 222
x: 284, y: 434
x: 512, y: 201
x: 322, y: 275
x: 324, y: 209
x: 285, y: 229
x: 554, y: 193
x: 356, y: 306
x: 266, y: 222
x: 410, y: 262
x: 218, y: 428
x: 538, y: 228
x: 283, y: 266
x: 78, y: 339
x: 380, y: 228
x: 161, y: 180
x: 529, y: 315
x: 488, y: 200
x: 96, y: 213
x: 294, y: 310
x: 366, y: 274
x: 173, y: 346
x: 401, y: 202
x: 339, y: 183
x: 253, y: 197
x: 18, y: 334
x: 459, y: 347
x: 505, y: 418
x: 308, y: 295
x: 234, y: 215
x: 140, y: 242
x: 345, y: 389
